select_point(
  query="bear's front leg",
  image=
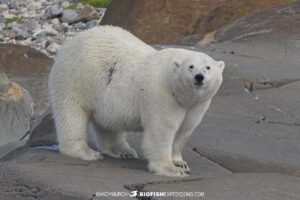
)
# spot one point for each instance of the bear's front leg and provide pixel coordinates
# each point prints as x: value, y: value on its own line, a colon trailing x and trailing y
x: 158, y: 140
x: 192, y: 120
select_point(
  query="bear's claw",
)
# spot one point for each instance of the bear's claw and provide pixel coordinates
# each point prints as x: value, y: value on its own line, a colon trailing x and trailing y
x: 124, y: 153
x: 182, y: 164
x: 170, y: 170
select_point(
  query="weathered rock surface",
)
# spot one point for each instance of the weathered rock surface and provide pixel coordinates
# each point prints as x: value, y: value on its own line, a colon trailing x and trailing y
x: 237, y: 186
x: 168, y: 21
x: 52, y: 171
x: 257, y: 130
x: 29, y: 68
x: 277, y: 22
x: 252, y: 126
x: 43, y: 130
x: 16, y: 111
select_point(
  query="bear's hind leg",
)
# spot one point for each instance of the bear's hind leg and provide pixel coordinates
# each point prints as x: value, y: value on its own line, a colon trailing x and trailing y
x: 71, y: 124
x: 116, y: 145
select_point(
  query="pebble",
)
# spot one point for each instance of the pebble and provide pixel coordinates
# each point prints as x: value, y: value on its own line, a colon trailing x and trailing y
x: 69, y: 16
x: 53, y: 47
x: 2, y: 25
x: 44, y: 32
x: 3, y: 7
x: 56, y: 11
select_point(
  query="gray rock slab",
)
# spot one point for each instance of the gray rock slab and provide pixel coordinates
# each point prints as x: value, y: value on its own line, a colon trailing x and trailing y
x: 16, y: 111
x: 14, y: 185
x: 29, y: 68
x: 276, y: 22
x: 253, y: 131
x: 43, y: 130
x: 62, y: 173
x: 10, y: 147
x: 237, y: 186
x: 69, y: 16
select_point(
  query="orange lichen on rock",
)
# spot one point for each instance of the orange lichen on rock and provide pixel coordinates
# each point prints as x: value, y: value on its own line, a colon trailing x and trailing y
x: 208, y: 38
x: 14, y: 93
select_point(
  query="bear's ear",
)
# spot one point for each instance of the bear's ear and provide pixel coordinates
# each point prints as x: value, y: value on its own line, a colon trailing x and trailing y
x: 221, y: 65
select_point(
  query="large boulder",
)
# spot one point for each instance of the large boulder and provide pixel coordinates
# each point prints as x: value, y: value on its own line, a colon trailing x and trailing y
x: 168, y: 21
x: 16, y: 111
x: 29, y: 68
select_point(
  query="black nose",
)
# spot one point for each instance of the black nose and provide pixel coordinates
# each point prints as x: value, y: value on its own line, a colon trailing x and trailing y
x: 199, y: 78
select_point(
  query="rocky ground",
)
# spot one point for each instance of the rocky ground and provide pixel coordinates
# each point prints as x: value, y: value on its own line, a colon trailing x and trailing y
x: 45, y: 24
x: 247, y: 146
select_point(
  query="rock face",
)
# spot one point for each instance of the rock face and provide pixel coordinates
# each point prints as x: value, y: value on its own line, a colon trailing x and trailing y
x: 167, y: 21
x: 238, y: 186
x: 160, y: 21
x: 16, y: 111
x: 277, y: 22
x: 43, y: 130
x: 29, y: 68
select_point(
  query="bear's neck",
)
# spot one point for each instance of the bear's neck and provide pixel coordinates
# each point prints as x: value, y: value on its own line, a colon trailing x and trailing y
x: 188, y: 97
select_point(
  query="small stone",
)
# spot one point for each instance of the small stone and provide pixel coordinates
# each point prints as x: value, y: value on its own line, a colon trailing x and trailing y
x: 30, y: 25
x: 2, y: 18
x: 23, y: 10
x: 54, y: 21
x: 32, y: 14
x: 55, y: 11
x: 1, y: 38
x: 33, y: 6
x: 9, y: 34
x: 20, y: 33
x: 44, y: 32
x: 101, y: 10
x: 65, y: 4
x: 62, y: 27
x: 12, y: 41
x: 69, y: 16
x: 92, y: 24
x: 59, y: 39
x: 2, y: 25
x: 53, y: 47
x: 3, y: 7
x: 14, y: 11
x: 56, y: 1
x: 79, y: 25
x: 7, y: 14
x: 25, y: 15
x: 88, y: 13
x: 70, y: 34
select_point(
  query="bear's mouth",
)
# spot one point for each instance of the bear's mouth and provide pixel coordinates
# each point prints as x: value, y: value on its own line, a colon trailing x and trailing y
x: 198, y: 84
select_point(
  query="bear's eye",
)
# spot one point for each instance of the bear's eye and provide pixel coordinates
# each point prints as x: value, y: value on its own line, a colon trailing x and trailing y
x: 208, y: 67
x: 191, y: 67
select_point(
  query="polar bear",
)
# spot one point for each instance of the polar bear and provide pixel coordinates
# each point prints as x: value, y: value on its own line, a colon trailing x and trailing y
x: 109, y: 76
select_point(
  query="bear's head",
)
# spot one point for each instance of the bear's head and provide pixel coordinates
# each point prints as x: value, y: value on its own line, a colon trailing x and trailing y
x: 197, y: 74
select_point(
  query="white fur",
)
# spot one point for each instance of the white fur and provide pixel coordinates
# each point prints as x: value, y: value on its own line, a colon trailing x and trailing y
x: 107, y: 75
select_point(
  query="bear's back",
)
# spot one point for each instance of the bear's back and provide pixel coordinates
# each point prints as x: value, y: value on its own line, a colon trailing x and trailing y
x: 96, y: 58
x: 100, y: 43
